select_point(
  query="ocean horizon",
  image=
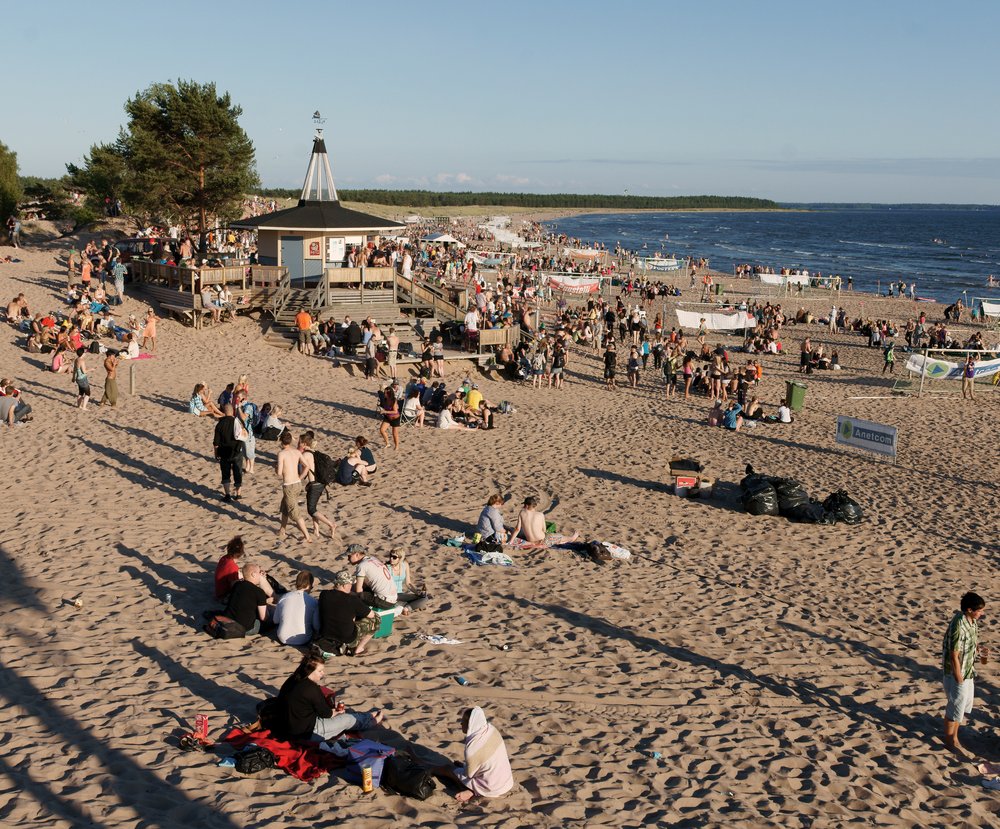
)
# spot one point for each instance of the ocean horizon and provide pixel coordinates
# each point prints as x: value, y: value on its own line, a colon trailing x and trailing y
x: 949, y: 251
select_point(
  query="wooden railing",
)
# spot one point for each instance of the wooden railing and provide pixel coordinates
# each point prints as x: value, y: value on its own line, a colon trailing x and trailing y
x: 183, y: 278
x: 489, y: 338
x: 282, y: 294
x: 359, y: 279
x: 449, y: 302
x: 267, y: 277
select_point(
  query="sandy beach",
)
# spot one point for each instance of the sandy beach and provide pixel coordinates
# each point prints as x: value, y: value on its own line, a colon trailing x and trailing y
x: 738, y: 671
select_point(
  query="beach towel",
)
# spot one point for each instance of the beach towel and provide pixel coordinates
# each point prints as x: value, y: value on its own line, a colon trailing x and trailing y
x: 501, y: 559
x: 306, y: 761
x: 437, y: 639
x: 551, y: 540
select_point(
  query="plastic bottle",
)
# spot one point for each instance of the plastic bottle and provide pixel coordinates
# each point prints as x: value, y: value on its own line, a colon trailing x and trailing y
x: 169, y: 597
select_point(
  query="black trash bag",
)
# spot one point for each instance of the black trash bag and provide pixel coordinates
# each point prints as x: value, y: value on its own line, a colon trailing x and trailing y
x: 791, y: 495
x: 843, y: 508
x: 752, y: 478
x: 759, y: 496
x: 404, y: 775
x: 809, y: 512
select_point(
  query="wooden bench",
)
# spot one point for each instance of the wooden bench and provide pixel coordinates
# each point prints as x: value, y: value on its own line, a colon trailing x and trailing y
x: 189, y: 307
x: 182, y: 304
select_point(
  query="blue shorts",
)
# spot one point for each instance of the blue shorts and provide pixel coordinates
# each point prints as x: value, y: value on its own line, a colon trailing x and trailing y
x: 960, y: 698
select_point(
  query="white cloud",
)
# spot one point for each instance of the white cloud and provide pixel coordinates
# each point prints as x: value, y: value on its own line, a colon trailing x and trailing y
x: 385, y: 178
x: 516, y: 180
x: 453, y: 178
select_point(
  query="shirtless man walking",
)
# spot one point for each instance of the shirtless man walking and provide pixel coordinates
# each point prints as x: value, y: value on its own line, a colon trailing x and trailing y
x: 531, y: 524
x: 289, y: 464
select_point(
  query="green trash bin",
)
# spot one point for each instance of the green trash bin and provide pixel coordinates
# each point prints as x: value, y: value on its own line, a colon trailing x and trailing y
x: 718, y: 289
x: 795, y: 394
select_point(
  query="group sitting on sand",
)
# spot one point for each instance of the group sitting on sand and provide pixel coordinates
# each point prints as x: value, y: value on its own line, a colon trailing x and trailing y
x: 529, y: 531
x: 342, y: 619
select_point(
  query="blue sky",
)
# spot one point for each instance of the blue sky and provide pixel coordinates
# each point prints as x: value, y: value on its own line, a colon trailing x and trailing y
x: 797, y: 101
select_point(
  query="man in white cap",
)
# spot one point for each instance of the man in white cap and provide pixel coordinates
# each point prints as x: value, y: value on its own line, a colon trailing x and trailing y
x: 372, y: 579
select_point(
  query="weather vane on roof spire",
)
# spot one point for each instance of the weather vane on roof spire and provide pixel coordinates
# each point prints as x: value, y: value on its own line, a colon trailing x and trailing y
x: 318, y: 120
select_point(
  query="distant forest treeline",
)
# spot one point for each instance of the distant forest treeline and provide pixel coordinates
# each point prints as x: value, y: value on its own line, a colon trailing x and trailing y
x: 430, y: 198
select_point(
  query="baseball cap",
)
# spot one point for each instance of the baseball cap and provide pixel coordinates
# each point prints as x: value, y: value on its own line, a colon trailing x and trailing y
x: 354, y: 548
x: 343, y: 577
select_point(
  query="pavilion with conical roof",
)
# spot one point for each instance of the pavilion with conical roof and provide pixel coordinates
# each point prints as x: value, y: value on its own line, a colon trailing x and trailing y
x: 314, y: 236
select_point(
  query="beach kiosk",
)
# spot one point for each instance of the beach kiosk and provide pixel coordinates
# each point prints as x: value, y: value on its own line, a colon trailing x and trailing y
x: 313, y: 239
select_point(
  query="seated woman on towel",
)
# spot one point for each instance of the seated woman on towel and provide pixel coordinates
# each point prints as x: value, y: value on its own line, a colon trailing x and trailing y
x: 486, y: 770
x: 201, y: 403
x: 305, y: 710
x: 447, y: 418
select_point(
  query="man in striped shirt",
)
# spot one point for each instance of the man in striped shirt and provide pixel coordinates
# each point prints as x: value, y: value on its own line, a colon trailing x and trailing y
x: 961, y: 651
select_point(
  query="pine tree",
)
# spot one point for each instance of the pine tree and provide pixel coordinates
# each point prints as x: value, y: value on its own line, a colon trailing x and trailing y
x: 186, y: 153
x: 104, y: 174
x: 10, y: 184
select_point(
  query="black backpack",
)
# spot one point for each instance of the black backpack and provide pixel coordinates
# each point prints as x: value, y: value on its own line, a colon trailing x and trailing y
x: 403, y: 775
x: 325, y: 468
x: 254, y: 759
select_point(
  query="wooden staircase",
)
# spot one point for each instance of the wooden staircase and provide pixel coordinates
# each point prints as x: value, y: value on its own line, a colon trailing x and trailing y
x: 379, y: 305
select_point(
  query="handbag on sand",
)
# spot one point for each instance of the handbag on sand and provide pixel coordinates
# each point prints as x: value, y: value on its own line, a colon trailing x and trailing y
x: 222, y: 627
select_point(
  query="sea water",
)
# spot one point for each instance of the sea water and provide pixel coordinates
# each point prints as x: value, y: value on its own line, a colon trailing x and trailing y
x: 945, y: 250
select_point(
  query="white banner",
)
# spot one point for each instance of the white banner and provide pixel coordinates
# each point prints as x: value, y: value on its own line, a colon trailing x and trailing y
x: 937, y: 369
x: 864, y: 434
x: 777, y: 279
x: 584, y: 253
x: 661, y: 264
x: 736, y: 321
x: 991, y: 309
x: 574, y: 285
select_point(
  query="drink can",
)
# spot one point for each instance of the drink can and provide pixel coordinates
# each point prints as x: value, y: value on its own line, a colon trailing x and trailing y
x: 201, y: 726
x: 461, y: 680
x: 366, y: 780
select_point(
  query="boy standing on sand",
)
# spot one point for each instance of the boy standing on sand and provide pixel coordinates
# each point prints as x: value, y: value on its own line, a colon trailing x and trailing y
x: 961, y: 650
x: 890, y: 358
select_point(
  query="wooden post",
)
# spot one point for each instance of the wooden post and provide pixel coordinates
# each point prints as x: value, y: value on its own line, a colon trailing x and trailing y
x: 923, y: 372
x: 131, y: 378
x: 362, y: 284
